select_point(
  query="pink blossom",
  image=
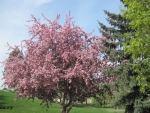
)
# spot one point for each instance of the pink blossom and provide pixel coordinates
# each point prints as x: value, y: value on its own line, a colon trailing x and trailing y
x: 58, y: 59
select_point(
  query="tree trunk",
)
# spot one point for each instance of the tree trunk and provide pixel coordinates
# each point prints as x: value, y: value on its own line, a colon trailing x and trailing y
x: 86, y: 100
x: 66, y: 107
x: 63, y: 109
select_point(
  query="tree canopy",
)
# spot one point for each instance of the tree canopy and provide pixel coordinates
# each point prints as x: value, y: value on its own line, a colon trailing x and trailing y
x: 138, y: 12
x: 60, y: 61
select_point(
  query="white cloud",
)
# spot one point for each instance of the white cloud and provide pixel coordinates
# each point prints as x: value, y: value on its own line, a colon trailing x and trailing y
x: 37, y: 2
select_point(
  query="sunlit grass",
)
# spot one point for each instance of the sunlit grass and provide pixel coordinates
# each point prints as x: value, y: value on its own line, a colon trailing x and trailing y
x: 23, y: 106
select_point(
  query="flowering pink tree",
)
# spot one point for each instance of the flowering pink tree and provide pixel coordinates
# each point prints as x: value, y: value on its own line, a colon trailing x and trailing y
x: 59, y: 62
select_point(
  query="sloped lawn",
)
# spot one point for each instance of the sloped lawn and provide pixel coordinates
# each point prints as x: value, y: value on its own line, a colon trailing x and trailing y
x: 23, y: 106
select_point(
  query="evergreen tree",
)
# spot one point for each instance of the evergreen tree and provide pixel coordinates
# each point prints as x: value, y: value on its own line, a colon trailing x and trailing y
x: 125, y: 89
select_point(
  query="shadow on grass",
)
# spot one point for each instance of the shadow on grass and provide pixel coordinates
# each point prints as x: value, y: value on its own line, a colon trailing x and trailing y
x: 91, y: 105
x: 2, y: 100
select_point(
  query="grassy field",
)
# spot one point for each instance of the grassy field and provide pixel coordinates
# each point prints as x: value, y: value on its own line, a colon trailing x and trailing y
x: 23, y: 106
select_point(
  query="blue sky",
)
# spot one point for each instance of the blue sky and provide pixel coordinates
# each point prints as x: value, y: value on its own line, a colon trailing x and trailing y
x: 14, y: 13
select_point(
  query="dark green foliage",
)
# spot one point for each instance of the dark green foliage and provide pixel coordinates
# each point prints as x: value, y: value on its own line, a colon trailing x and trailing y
x: 103, y: 97
x: 125, y: 89
x: 142, y: 105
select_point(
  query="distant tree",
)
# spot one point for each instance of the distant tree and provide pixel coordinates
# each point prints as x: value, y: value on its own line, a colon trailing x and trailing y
x: 15, y: 53
x: 103, y: 97
x: 59, y: 61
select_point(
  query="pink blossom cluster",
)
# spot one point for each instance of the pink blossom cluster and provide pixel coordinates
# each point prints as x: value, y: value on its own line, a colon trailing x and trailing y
x: 58, y: 58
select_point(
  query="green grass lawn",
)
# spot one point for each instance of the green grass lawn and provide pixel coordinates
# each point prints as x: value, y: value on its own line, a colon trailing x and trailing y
x: 23, y: 106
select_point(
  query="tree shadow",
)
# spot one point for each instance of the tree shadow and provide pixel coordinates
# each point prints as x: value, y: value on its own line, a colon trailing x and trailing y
x: 84, y: 105
x: 2, y: 100
x: 91, y: 105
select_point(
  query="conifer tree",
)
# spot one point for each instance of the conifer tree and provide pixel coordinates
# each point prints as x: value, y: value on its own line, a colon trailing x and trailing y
x: 125, y: 89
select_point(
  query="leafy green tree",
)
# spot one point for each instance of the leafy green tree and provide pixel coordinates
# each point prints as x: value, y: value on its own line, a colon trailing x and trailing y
x: 138, y: 12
